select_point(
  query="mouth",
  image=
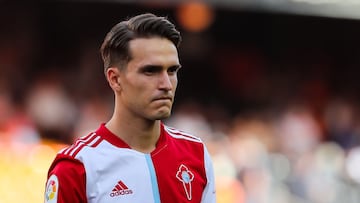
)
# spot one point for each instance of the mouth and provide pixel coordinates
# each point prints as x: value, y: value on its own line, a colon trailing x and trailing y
x: 163, y: 98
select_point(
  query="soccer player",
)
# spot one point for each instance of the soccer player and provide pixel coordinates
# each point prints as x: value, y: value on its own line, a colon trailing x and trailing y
x: 135, y: 157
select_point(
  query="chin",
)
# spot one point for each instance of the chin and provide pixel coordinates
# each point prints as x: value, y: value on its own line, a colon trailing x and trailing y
x: 159, y: 113
x: 162, y: 115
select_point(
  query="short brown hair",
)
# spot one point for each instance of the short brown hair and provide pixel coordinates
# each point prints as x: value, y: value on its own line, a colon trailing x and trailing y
x: 115, y: 48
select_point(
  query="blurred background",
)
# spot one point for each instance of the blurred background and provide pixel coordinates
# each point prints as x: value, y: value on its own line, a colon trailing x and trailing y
x: 272, y: 87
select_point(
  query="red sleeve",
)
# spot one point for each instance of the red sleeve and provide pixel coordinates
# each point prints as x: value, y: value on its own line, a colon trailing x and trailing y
x: 66, y: 182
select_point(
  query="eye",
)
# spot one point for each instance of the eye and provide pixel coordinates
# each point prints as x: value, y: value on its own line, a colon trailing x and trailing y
x: 150, y: 70
x: 173, y: 70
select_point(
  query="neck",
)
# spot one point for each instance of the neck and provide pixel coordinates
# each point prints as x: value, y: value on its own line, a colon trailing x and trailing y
x: 140, y: 134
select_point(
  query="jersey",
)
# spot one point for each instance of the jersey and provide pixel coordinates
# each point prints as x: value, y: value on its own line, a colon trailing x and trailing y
x: 101, y: 167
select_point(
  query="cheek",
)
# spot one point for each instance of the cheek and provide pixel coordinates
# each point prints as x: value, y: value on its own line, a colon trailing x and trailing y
x: 133, y: 92
x: 142, y: 91
x: 174, y: 82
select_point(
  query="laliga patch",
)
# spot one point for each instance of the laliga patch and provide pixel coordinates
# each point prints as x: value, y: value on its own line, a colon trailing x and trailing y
x: 52, y: 188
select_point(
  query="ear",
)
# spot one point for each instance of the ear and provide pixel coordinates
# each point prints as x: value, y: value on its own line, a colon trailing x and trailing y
x: 113, y: 77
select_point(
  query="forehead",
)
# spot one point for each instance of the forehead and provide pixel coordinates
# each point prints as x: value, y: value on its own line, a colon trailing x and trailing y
x: 155, y: 50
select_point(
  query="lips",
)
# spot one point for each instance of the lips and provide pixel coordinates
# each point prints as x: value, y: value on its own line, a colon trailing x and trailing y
x: 163, y: 98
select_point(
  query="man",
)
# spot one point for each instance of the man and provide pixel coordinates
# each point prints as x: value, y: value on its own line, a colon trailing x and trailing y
x: 134, y: 157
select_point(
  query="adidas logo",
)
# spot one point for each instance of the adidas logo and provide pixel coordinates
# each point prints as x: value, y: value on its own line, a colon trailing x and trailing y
x: 120, y: 189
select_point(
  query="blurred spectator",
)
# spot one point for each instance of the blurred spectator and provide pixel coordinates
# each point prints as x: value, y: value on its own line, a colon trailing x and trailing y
x: 51, y: 109
x: 297, y: 131
x: 16, y: 128
x: 342, y: 123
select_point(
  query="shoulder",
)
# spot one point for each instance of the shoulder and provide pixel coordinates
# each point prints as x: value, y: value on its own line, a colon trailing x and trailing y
x: 182, y: 135
x: 68, y: 159
x: 67, y: 170
x: 66, y: 181
x: 90, y: 140
x: 64, y: 165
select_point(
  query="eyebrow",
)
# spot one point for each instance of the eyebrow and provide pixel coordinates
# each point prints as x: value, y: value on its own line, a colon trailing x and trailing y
x: 158, y: 66
x: 176, y: 66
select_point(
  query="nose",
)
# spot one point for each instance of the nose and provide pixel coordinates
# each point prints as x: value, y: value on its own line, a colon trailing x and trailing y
x: 165, y: 81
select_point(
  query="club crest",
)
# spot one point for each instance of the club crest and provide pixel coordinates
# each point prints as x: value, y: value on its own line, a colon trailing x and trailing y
x: 185, y: 176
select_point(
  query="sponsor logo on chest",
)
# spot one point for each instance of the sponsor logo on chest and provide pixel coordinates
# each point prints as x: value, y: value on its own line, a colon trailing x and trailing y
x: 120, y: 189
